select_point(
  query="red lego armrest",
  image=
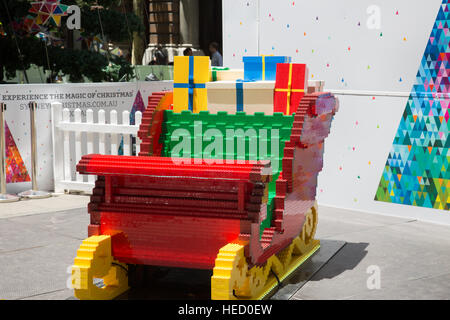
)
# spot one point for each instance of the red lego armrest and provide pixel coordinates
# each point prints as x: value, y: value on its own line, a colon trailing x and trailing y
x: 254, y: 171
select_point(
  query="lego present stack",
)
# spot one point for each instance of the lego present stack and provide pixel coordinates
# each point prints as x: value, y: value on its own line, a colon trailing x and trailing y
x: 250, y: 95
x: 233, y: 193
x: 190, y: 76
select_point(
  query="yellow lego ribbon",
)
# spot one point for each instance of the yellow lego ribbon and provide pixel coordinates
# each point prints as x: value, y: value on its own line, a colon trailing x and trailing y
x: 289, y: 90
x: 264, y: 64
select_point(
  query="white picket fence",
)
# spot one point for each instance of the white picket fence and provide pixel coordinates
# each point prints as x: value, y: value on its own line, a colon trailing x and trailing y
x: 88, y: 137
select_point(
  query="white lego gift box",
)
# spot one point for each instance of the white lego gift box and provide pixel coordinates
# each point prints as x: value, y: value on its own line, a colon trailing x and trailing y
x: 234, y: 96
x: 226, y: 74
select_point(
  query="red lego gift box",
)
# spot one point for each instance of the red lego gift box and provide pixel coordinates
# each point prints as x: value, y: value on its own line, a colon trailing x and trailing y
x: 291, y: 83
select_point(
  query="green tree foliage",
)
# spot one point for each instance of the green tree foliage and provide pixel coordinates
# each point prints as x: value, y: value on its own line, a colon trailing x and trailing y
x: 115, y: 24
x: 77, y: 64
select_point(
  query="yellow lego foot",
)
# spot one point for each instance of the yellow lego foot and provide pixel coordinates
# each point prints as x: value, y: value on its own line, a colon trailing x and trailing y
x: 94, y: 261
x: 233, y: 280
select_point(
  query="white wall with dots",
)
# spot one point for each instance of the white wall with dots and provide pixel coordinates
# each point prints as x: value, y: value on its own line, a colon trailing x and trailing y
x: 368, y: 52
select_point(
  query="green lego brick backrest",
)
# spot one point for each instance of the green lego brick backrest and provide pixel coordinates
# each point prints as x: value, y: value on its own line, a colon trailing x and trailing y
x: 226, y: 136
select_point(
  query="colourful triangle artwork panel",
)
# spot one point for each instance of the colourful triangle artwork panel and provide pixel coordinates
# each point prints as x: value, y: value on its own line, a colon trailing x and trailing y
x: 138, y: 105
x: 15, y: 167
x: 417, y: 169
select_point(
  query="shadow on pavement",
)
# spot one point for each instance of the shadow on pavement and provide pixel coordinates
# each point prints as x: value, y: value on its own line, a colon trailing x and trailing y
x: 170, y: 284
x: 345, y: 259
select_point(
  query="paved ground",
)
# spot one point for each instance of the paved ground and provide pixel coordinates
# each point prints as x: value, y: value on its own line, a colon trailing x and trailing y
x: 413, y: 258
x: 54, y: 204
x: 36, y: 250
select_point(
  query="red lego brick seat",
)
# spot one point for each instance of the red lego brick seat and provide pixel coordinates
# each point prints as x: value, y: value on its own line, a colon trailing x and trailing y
x: 173, y: 214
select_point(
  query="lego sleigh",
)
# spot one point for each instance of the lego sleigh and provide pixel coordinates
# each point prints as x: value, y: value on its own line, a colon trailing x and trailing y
x: 249, y: 216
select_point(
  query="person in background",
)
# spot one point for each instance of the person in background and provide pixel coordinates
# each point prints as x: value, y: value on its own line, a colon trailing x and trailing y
x: 187, y: 52
x: 160, y: 56
x: 216, y: 57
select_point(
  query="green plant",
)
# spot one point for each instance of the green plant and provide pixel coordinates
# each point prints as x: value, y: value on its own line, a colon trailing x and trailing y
x: 77, y: 64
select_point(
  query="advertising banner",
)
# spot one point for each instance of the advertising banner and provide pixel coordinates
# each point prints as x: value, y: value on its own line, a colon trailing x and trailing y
x: 108, y: 96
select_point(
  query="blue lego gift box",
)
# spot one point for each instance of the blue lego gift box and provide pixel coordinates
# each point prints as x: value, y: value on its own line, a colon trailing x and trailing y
x: 262, y: 68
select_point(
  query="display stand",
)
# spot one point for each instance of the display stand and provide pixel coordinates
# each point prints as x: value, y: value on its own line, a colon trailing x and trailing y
x: 34, y: 193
